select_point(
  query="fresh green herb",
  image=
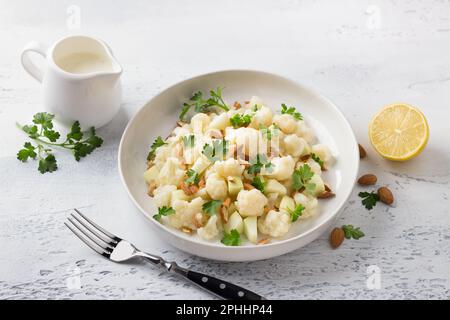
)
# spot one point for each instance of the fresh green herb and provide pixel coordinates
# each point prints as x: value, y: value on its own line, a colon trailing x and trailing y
x: 269, y: 132
x: 233, y: 238
x: 163, y: 211
x: 193, y: 177
x: 255, y: 108
x: 217, y: 151
x: 301, y: 177
x: 155, y: 145
x: 291, y: 110
x: 211, y: 207
x: 258, y: 163
x: 201, y: 104
x: 369, y: 199
x: 44, y: 136
x: 239, y: 120
x: 297, y: 212
x: 259, y: 184
x: 351, y: 232
x: 189, y: 141
x: 317, y: 159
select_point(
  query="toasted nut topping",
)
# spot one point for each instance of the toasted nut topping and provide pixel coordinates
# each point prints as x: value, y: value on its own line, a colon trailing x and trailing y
x: 248, y: 186
x: 227, y: 202
x: 237, y: 105
x: 325, y: 195
x: 305, y: 157
x: 367, y: 179
x: 180, y: 123
x: 336, y: 237
x: 266, y: 209
x: 201, y: 183
x: 151, y: 189
x: 224, y: 213
x: 186, y: 230
x: 362, y: 152
x: 198, y: 220
x: 264, y: 241
x: 185, y: 188
x: 193, y: 188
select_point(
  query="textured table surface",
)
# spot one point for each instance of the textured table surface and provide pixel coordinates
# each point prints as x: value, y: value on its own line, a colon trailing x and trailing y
x: 360, y: 54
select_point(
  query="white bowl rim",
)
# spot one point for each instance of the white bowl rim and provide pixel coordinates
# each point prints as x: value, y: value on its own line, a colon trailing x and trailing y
x: 215, y: 244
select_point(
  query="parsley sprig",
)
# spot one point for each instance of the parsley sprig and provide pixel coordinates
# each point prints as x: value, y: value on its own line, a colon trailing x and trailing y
x: 301, y: 177
x: 292, y: 111
x: 240, y: 120
x: 163, y: 211
x: 193, y: 177
x: 352, y: 232
x: 155, y: 145
x: 233, y: 238
x: 201, y: 104
x: 44, y: 137
x: 296, y: 212
x: 258, y: 163
x: 369, y: 199
x: 317, y: 159
x: 259, y: 184
x: 211, y: 207
x: 217, y: 151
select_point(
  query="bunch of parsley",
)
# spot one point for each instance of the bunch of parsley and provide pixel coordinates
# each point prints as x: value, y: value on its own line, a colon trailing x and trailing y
x: 44, y: 137
x: 201, y: 104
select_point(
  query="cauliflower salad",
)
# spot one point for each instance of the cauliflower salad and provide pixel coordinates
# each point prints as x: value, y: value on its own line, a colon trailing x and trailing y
x: 237, y: 171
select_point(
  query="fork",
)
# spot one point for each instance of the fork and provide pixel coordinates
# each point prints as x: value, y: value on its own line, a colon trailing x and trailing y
x: 119, y: 250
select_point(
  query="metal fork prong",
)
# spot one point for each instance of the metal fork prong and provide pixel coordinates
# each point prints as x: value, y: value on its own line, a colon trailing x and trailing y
x: 88, y: 243
x: 106, y: 233
x: 91, y: 236
x: 107, y: 240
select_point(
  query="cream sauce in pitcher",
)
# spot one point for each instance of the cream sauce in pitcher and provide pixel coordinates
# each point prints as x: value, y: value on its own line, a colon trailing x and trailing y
x: 81, y: 80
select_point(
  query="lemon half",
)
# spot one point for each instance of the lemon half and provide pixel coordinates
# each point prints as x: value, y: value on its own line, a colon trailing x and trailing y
x: 399, y: 132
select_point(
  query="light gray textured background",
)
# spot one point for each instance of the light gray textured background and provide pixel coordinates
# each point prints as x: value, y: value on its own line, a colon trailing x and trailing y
x: 360, y: 54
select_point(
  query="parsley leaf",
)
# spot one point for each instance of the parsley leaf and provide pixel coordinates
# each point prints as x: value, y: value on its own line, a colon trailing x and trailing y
x: 217, y: 151
x: 258, y: 163
x: 291, y: 110
x: 211, y: 207
x: 233, y: 238
x: 163, y: 211
x: 193, y: 177
x: 47, y: 164
x: 42, y: 133
x: 240, y: 120
x: 259, y: 184
x: 201, y: 104
x: 317, y: 159
x: 301, y: 177
x: 369, y: 199
x: 189, y: 141
x: 351, y: 232
x: 296, y: 213
x: 27, y: 152
x: 269, y: 132
x: 155, y: 145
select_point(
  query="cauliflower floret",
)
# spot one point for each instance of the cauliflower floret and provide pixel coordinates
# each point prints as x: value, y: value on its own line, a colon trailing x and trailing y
x: 315, y: 167
x: 275, y: 223
x: 216, y: 186
x: 171, y: 172
x: 251, y: 202
x: 185, y: 212
x: 162, y: 195
x: 247, y: 139
x: 310, y: 204
x: 182, y: 131
x: 229, y: 167
x: 199, y: 123
x: 210, y: 230
x: 286, y: 123
x: 323, y: 152
x: 161, y: 154
x: 282, y: 168
x: 201, y: 164
x: 219, y: 122
x: 294, y: 145
x: 263, y: 116
x: 305, y: 132
x: 254, y: 101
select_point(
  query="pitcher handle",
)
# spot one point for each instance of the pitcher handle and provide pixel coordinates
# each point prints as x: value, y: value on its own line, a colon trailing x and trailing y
x: 28, y: 64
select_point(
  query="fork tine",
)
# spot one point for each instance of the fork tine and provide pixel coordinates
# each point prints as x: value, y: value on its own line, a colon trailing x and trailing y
x: 91, y: 237
x: 112, y: 243
x: 106, y: 233
x: 86, y: 242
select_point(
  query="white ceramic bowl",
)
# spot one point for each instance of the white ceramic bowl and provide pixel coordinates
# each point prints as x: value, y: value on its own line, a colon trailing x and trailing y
x: 159, y: 115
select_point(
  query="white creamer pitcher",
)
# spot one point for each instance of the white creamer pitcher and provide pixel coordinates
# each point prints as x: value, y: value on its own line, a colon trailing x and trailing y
x: 81, y: 79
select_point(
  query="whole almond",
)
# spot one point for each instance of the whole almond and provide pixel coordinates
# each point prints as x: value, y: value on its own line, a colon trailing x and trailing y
x: 385, y: 195
x: 367, y: 179
x: 362, y: 152
x: 337, y: 237
x: 325, y: 195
